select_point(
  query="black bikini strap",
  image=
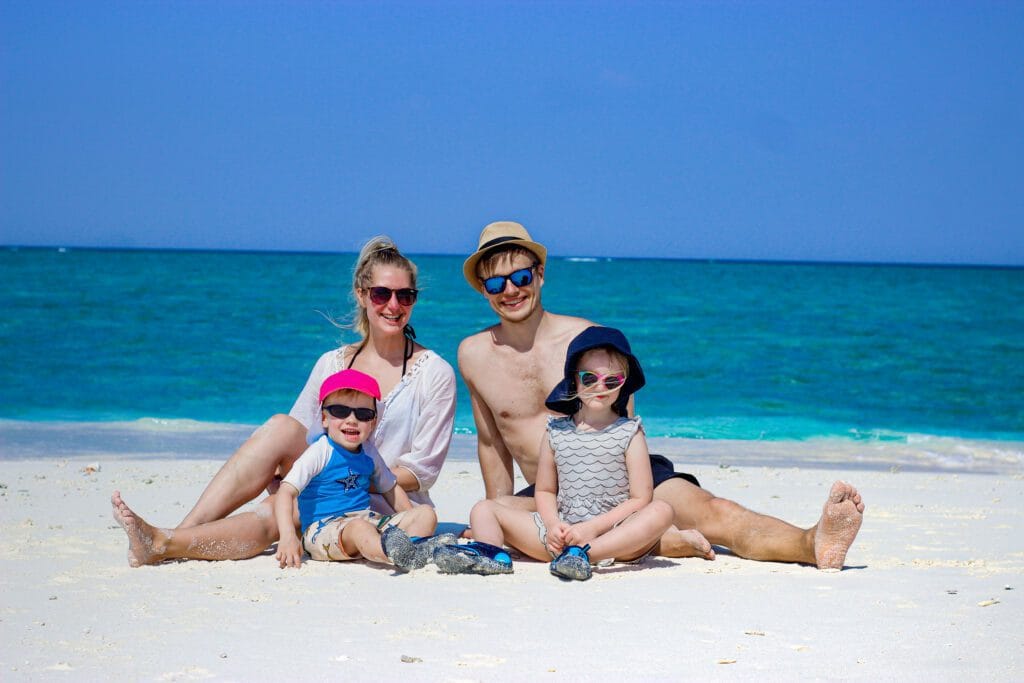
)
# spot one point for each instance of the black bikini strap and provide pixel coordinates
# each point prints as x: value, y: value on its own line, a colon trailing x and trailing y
x: 353, y: 358
x: 410, y: 345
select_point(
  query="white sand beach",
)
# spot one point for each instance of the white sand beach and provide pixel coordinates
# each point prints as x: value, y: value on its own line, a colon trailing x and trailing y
x: 932, y: 589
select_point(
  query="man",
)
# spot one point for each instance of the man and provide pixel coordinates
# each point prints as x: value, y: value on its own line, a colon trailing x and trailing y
x: 510, y: 367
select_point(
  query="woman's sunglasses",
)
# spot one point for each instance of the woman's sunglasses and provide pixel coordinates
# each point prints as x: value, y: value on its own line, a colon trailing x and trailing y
x: 520, y: 278
x: 381, y: 295
x: 341, y: 412
x: 610, y: 381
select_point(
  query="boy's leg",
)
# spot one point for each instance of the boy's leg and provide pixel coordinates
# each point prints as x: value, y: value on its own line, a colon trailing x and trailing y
x: 421, y: 520
x: 635, y: 535
x: 276, y: 444
x: 361, y: 538
x: 499, y: 524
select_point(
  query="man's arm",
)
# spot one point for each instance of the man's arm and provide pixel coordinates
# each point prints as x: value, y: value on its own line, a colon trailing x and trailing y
x: 495, y: 459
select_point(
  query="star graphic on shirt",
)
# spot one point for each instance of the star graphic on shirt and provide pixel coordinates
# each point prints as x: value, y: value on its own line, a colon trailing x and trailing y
x: 350, y: 482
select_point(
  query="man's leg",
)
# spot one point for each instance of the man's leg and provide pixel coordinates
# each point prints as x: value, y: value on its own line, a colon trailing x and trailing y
x: 276, y: 444
x: 760, y: 537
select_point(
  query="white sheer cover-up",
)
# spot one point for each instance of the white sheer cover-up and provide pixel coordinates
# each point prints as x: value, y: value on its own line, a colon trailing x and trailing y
x: 415, y: 420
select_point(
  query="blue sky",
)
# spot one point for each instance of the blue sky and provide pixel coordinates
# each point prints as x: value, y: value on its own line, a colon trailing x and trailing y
x: 811, y: 131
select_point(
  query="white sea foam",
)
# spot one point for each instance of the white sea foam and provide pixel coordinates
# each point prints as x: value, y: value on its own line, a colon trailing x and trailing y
x: 190, y: 439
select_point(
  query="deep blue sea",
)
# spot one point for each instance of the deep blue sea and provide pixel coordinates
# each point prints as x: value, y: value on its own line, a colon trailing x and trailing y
x: 765, y: 351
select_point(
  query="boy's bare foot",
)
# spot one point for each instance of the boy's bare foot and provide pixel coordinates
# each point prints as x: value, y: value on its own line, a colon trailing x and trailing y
x: 685, y: 543
x: 146, y: 543
x: 838, y: 526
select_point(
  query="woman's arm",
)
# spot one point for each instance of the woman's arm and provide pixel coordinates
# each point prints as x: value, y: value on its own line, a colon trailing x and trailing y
x: 418, y: 468
x: 306, y: 408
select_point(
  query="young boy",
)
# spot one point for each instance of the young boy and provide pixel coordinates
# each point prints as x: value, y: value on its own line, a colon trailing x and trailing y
x: 332, y: 480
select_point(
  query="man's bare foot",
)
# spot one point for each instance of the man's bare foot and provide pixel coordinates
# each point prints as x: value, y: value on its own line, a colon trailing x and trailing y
x: 685, y: 543
x: 146, y: 543
x: 838, y: 526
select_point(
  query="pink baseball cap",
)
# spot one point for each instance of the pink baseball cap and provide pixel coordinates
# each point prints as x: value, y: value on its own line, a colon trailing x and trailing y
x: 350, y: 379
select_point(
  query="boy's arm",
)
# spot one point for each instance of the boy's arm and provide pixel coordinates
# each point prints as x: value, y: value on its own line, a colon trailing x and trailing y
x: 289, y: 552
x: 398, y: 499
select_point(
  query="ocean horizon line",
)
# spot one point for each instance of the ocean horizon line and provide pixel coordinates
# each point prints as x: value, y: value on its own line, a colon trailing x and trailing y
x: 568, y: 257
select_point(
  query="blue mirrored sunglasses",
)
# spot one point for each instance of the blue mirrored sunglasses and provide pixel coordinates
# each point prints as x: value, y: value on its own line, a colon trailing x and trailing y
x: 520, y: 278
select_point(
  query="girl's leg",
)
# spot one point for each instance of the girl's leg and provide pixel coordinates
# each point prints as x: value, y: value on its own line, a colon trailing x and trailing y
x: 635, y: 535
x: 275, y: 445
x: 420, y: 521
x: 499, y: 524
x: 234, y: 538
x: 361, y: 538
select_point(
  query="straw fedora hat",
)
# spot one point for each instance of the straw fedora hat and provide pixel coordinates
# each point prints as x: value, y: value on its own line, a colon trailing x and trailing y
x: 497, y: 235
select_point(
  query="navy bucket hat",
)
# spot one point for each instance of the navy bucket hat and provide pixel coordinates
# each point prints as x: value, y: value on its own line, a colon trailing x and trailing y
x: 562, y: 398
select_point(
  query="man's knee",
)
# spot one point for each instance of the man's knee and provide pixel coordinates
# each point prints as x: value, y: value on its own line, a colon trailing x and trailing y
x: 661, y: 512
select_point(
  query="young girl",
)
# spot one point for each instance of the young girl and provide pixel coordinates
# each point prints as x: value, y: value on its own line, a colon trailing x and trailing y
x: 594, y: 490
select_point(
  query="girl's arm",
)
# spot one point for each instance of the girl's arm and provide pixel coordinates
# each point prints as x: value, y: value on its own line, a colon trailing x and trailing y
x: 289, y: 552
x: 545, y: 494
x: 641, y: 493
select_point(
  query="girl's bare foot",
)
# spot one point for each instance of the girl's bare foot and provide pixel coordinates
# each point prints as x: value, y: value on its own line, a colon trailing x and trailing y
x: 685, y: 543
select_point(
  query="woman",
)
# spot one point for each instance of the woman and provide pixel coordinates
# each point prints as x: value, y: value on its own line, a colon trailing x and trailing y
x: 412, y: 435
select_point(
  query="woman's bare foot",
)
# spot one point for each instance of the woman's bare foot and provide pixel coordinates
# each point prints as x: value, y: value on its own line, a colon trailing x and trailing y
x: 685, y: 543
x: 840, y: 521
x: 146, y: 543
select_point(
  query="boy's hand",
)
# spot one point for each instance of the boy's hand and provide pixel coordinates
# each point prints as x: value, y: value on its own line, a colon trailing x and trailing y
x: 289, y: 553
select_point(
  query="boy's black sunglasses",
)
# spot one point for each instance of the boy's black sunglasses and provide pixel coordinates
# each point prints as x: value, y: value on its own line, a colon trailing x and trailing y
x: 381, y: 295
x: 341, y: 412
x: 520, y: 278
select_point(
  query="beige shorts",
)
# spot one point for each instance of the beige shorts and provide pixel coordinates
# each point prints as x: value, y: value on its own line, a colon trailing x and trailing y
x: 322, y: 539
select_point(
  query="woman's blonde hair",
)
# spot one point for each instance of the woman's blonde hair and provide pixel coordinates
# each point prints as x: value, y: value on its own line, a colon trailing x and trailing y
x: 378, y: 251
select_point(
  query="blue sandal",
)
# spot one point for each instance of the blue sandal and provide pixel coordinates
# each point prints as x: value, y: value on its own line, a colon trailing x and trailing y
x: 411, y: 553
x: 472, y: 558
x: 573, y: 563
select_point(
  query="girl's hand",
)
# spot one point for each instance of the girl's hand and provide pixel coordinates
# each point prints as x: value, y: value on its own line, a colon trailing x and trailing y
x: 580, y: 534
x: 555, y: 537
x: 289, y: 554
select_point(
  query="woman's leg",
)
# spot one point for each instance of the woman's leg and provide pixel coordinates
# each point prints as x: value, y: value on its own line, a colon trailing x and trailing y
x: 276, y: 444
x: 635, y: 535
x: 233, y: 538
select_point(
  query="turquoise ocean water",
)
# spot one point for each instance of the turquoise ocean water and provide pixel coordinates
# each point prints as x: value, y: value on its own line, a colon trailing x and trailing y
x: 750, y: 351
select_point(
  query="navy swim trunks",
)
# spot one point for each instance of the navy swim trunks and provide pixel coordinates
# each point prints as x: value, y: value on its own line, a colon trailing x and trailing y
x: 661, y: 469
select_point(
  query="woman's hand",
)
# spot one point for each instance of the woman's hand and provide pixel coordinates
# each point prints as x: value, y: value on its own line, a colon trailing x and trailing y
x: 289, y: 553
